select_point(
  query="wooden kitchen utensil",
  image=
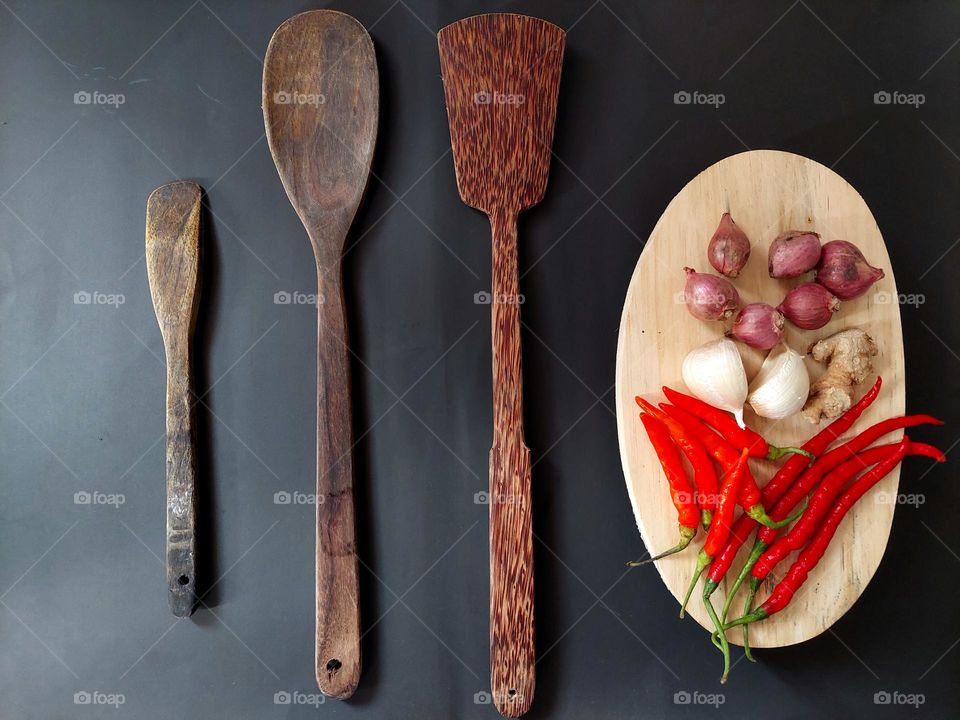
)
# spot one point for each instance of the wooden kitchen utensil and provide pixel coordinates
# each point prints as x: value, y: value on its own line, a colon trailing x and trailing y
x: 501, y: 74
x: 320, y: 108
x: 767, y: 192
x: 173, y: 270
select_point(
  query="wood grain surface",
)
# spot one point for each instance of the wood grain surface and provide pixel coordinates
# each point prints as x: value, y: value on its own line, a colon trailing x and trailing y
x: 501, y: 76
x: 767, y: 192
x: 320, y: 109
x: 173, y: 270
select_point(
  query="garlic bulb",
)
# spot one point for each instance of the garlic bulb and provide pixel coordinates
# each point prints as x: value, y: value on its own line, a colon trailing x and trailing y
x: 714, y: 373
x: 781, y: 387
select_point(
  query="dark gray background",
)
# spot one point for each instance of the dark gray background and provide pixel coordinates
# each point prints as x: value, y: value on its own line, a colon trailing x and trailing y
x: 83, y: 605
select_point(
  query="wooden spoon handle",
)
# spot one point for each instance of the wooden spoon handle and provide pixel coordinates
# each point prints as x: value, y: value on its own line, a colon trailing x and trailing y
x: 181, y: 484
x: 512, y: 654
x: 338, y: 592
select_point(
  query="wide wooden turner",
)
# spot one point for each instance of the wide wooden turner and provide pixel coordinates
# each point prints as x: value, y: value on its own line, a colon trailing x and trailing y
x: 173, y: 270
x: 501, y: 74
x: 320, y: 108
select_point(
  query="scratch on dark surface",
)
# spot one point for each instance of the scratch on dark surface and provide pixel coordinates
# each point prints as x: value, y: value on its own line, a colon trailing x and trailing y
x: 206, y: 94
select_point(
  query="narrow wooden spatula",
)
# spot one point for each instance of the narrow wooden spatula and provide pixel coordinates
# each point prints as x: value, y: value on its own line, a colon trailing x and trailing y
x: 173, y: 270
x: 501, y: 74
x: 320, y: 108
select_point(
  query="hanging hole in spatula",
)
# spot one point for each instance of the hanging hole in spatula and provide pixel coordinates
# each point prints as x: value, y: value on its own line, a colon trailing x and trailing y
x: 333, y: 665
x: 183, y: 580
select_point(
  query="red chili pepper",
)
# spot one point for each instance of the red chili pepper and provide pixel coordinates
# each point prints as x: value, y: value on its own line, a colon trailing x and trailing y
x: 804, y: 484
x: 780, y: 483
x: 818, y: 507
x: 834, y: 458
x: 681, y: 491
x: 716, y: 538
x: 784, y: 477
x: 727, y: 426
x: 704, y: 473
x: 726, y: 455
x: 813, y: 553
x: 722, y: 519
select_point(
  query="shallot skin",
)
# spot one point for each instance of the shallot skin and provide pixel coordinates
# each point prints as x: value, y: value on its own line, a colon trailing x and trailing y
x: 729, y: 248
x: 844, y: 271
x: 793, y: 253
x: 809, y: 306
x: 709, y: 297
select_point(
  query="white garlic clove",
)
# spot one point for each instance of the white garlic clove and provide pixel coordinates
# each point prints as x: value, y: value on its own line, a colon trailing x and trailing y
x: 714, y: 373
x: 781, y: 387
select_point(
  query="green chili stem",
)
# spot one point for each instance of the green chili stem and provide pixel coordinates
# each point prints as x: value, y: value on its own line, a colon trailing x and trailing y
x: 747, y: 609
x: 760, y: 515
x: 758, y: 614
x: 776, y: 453
x: 702, y: 561
x: 706, y: 517
x: 686, y: 535
x: 721, y: 634
x: 758, y: 547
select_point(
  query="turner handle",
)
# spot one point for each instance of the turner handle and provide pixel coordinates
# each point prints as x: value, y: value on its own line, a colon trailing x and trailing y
x: 181, y: 547
x: 338, y: 595
x: 512, y: 654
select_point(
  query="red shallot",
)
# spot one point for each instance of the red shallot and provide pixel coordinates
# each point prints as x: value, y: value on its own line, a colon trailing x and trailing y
x: 709, y: 297
x: 793, y: 253
x: 844, y: 271
x: 758, y: 325
x: 729, y: 248
x: 809, y: 306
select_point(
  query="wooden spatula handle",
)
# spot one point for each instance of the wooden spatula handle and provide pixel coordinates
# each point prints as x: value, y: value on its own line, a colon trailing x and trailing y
x: 338, y: 594
x: 512, y: 653
x: 181, y: 482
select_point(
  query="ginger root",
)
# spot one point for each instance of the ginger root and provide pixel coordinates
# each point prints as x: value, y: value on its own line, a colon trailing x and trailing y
x: 847, y: 356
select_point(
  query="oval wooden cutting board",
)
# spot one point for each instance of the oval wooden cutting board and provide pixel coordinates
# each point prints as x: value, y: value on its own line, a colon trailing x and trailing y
x: 767, y: 192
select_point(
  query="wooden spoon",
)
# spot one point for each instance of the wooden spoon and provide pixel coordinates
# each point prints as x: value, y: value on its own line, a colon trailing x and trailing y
x: 173, y: 264
x: 320, y: 108
x: 501, y: 74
